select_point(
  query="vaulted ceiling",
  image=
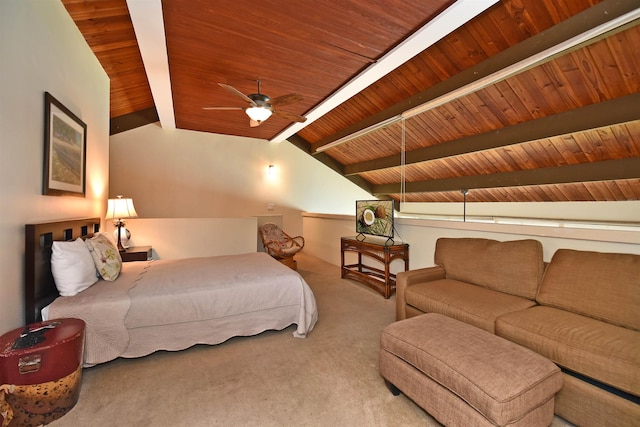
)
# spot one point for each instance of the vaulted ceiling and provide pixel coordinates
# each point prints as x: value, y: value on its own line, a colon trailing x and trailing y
x: 521, y: 100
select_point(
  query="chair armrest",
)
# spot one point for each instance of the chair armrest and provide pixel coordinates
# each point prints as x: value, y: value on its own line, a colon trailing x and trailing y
x: 298, y: 240
x: 405, y: 279
x: 284, y: 248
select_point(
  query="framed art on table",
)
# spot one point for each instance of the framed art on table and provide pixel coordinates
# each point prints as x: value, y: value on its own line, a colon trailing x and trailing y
x: 65, y: 149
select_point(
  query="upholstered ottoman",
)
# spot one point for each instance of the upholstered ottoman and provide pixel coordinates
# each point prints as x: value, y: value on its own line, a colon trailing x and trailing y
x: 464, y: 376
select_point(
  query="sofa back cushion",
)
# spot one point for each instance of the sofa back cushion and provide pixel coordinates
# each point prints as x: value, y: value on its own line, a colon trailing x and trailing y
x: 605, y: 286
x: 514, y: 267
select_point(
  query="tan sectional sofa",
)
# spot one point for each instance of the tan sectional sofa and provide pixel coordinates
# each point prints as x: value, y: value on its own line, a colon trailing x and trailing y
x: 582, y: 311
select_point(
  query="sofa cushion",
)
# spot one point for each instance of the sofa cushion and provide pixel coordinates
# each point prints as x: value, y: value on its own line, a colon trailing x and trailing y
x: 604, y: 352
x: 604, y: 286
x: 469, y: 303
x: 514, y: 267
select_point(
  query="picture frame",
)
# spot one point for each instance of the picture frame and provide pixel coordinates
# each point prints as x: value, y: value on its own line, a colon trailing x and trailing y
x: 65, y: 150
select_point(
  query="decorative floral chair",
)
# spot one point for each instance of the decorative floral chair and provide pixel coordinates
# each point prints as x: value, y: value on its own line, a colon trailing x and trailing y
x: 280, y: 245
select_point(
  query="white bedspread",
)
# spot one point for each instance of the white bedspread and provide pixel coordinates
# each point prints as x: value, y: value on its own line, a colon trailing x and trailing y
x: 174, y: 304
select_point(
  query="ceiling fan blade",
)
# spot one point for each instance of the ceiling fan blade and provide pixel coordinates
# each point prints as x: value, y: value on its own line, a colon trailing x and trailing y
x: 223, y: 108
x: 254, y: 123
x: 289, y: 116
x: 286, y: 99
x: 236, y: 92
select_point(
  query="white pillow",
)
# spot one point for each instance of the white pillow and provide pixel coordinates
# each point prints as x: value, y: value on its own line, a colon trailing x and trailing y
x: 72, y: 267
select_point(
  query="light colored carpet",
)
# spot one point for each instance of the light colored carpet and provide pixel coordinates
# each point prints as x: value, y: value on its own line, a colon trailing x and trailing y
x: 330, y: 378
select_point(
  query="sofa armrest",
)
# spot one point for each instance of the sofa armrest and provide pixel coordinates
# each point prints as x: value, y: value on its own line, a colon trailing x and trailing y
x: 405, y: 279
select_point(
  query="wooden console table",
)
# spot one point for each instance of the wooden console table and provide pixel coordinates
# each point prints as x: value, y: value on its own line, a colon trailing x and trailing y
x: 380, y: 280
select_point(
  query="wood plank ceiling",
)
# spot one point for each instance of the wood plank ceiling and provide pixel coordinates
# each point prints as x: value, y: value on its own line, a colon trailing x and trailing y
x: 563, y: 128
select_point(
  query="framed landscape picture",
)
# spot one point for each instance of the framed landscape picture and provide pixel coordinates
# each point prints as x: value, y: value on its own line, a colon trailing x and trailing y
x: 65, y: 149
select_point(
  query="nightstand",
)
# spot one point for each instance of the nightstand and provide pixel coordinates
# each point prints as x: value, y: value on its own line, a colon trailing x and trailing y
x: 136, y: 253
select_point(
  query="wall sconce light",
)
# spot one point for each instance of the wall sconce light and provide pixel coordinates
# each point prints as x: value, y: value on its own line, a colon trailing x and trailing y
x: 271, y: 171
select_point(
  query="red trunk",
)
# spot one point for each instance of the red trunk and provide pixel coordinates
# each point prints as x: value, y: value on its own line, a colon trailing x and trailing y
x: 40, y: 371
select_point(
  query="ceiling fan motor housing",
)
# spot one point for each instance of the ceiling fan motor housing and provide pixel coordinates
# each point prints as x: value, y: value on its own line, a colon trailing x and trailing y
x: 260, y: 100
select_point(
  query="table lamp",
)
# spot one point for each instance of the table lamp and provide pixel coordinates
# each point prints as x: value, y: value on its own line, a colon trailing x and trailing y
x: 118, y: 210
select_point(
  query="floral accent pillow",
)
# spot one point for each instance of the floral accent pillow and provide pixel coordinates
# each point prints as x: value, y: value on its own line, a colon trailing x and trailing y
x: 105, y: 256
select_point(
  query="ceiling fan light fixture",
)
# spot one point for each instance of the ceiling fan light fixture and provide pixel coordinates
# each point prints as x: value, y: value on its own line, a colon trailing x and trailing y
x: 259, y: 114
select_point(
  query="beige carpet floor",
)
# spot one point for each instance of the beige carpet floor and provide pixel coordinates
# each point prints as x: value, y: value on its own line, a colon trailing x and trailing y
x: 328, y: 379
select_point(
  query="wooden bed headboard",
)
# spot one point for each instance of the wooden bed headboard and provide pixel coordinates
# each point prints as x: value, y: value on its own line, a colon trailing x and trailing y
x: 39, y: 287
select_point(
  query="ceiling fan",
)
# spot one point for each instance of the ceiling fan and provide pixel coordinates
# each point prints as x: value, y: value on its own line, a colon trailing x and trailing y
x: 261, y: 106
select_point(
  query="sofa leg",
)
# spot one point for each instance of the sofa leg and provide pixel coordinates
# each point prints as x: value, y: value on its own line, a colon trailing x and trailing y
x: 393, y: 389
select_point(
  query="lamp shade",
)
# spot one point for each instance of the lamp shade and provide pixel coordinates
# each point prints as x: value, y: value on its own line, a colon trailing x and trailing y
x: 259, y: 114
x: 120, y: 209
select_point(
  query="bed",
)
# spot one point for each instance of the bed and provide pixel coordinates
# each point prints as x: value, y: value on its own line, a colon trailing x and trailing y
x: 165, y: 304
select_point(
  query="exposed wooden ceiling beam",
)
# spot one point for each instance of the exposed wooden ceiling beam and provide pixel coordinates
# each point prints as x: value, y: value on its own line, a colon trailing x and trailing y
x: 133, y: 120
x: 300, y: 142
x: 598, y: 171
x: 148, y: 23
x: 606, y: 11
x: 608, y: 113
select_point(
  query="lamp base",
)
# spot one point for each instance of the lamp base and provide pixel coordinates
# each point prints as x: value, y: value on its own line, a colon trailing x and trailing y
x: 125, y: 235
x: 120, y: 234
